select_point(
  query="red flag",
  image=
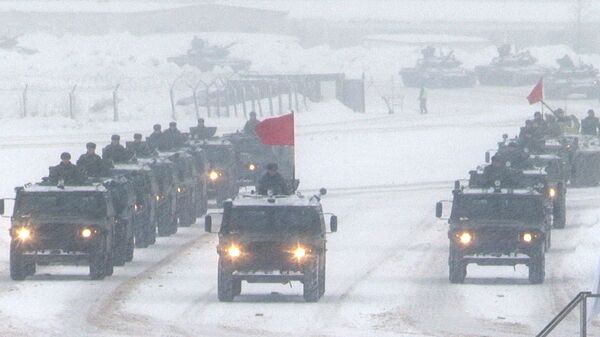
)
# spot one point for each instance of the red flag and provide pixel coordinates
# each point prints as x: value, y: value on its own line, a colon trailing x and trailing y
x: 277, y: 130
x: 537, y: 94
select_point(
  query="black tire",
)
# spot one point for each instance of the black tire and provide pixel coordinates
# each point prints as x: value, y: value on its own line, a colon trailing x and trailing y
x: 164, y: 222
x: 457, y: 267
x: 322, y: 273
x: 129, y: 250
x: 188, y: 214
x: 311, y: 288
x: 537, y: 266
x: 225, y: 286
x: 18, y: 267
x: 237, y: 287
x: 31, y: 269
x: 98, y: 261
x: 560, y: 214
x: 141, y: 234
x: 110, y: 268
x: 151, y: 234
x: 120, y: 251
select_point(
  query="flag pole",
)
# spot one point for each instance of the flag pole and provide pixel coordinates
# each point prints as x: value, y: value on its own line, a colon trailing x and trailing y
x: 547, y: 106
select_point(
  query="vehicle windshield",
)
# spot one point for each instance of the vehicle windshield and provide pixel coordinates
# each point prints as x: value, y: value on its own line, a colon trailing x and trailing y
x: 218, y: 154
x: 501, y: 207
x: 83, y: 204
x: 272, y: 219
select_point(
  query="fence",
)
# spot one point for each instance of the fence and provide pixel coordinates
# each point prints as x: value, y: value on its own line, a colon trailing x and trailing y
x: 215, y: 96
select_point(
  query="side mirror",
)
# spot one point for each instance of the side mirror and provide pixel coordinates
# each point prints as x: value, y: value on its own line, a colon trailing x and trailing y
x: 323, y: 191
x: 208, y: 224
x: 439, y: 208
x: 1, y: 206
x: 333, y: 223
x: 487, y: 157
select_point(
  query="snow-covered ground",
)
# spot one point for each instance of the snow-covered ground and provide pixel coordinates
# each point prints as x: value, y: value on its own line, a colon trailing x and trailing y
x: 428, y: 11
x: 387, y: 266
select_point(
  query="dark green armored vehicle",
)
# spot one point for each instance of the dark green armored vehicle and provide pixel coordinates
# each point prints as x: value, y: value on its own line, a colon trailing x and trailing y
x: 272, y: 240
x: 498, y: 227
x: 71, y: 225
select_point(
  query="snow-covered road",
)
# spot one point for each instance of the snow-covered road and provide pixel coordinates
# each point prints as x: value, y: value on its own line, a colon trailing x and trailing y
x: 386, y: 271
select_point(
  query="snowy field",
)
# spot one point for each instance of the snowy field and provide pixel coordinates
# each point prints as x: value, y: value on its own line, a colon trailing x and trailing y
x: 427, y: 11
x: 387, y: 265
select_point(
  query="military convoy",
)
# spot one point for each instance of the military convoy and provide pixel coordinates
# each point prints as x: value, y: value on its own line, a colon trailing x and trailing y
x: 272, y: 239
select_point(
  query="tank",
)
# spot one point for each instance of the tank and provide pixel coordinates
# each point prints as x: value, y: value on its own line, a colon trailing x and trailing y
x: 206, y: 57
x: 432, y: 71
x: 571, y: 80
x: 511, y: 69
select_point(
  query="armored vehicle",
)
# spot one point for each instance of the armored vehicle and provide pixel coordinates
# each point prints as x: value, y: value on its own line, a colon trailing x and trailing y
x: 570, y: 80
x: 206, y: 57
x: 62, y: 225
x: 187, y: 186
x: 498, y: 226
x: 223, y: 164
x: 145, y: 184
x: 534, y: 178
x: 165, y: 173
x: 123, y: 197
x: 253, y: 157
x: 272, y: 240
x: 434, y: 71
x: 585, y: 161
x: 510, y: 69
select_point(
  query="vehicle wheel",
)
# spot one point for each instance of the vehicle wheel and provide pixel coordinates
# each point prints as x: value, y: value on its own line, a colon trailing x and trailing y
x: 151, y: 234
x: 164, y: 225
x: 560, y: 215
x: 311, y: 288
x: 98, y: 262
x: 18, y: 268
x: 141, y: 232
x: 110, y: 268
x: 188, y: 215
x: 129, y: 250
x: 31, y: 269
x: 457, y: 267
x: 225, y: 286
x: 120, y: 251
x: 322, y: 272
x: 537, y: 266
x: 237, y: 287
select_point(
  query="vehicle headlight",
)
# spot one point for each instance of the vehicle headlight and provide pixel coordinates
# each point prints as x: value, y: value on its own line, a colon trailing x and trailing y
x: 157, y: 197
x: 180, y: 189
x: 137, y: 207
x: 234, y: 251
x: 23, y: 233
x: 527, y: 237
x: 299, y: 252
x: 252, y: 167
x: 465, y: 238
x: 213, y: 175
x: 86, y: 233
x: 552, y: 193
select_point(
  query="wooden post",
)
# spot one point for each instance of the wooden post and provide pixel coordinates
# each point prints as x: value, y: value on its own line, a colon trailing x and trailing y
x: 259, y: 99
x: 235, y: 101
x: 270, y: 93
x: 290, y: 96
x: 72, y: 102
x: 25, y: 100
x: 296, y: 97
x: 279, y: 98
x: 116, y: 103
x: 244, y: 98
x: 208, y: 114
